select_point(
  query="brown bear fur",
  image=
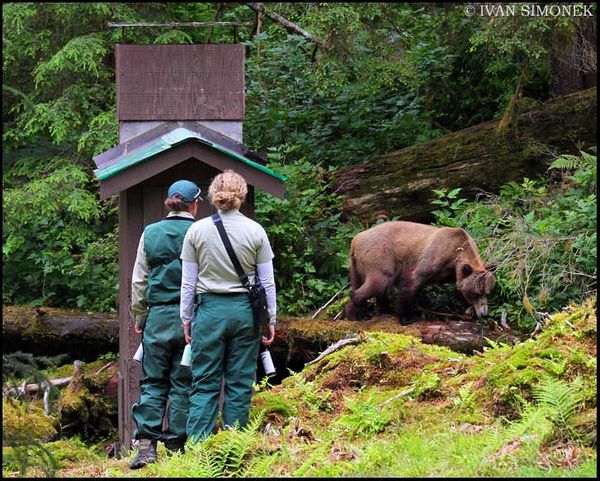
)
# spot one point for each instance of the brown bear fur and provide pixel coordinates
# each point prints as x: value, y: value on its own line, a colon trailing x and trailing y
x: 410, y: 256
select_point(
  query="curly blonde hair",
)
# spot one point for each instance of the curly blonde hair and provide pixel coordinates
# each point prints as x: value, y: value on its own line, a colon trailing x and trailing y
x: 227, y: 190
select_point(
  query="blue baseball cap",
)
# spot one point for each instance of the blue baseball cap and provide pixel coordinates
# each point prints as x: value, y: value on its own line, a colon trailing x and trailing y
x: 188, y: 191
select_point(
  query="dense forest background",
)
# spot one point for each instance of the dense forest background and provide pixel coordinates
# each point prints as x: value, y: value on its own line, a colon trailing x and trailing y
x: 369, y: 79
x: 386, y: 76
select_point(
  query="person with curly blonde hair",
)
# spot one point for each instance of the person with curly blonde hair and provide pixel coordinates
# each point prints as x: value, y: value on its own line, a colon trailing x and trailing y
x: 221, y: 330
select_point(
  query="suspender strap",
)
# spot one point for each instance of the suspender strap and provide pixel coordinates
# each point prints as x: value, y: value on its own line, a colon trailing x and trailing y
x: 216, y: 218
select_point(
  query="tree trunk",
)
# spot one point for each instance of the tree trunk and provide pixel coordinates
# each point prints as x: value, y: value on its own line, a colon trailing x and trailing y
x: 49, y: 331
x: 478, y: 158
x: 573, y: 57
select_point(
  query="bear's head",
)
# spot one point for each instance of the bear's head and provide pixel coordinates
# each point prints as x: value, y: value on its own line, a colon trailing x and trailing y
x: 476, y: 286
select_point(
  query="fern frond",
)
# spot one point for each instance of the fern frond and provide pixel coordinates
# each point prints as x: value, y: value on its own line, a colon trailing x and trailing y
x: 567, y: 161
x: 205, y: 463
x: 572, y: 162
x: 562, y: 400
x: 233, y: 450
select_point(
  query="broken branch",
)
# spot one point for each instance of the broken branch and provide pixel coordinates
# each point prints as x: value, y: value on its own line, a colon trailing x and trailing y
x: 329, y: 301
x: 334, y: 347
x: 289, y: 26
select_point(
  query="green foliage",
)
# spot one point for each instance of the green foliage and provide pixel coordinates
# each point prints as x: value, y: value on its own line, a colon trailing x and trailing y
x: 109, y: 356
x: 366, y: 418
x: 25, y: 426
x: 49, y: 457
x: 221, y: 455
x: 22, y: 457
x: 309, y: 241
x: 561, y: 402
x: 543, y: 235
x: 330, y: 110
x: 53, y: 249
x: 449, y: 205
x: 427, y: 384
x: 315, y: 398
x: 519, y: 48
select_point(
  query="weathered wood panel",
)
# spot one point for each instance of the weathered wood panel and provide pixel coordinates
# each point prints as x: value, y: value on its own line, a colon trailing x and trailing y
x: 180, y: 82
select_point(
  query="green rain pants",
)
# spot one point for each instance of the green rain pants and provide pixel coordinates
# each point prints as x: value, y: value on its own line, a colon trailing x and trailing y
x: 224, y: 346
x: 163, y: 378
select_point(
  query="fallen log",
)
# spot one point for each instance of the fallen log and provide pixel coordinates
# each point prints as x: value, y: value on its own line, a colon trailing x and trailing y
x: 298, y: 341
x: 50, y: 331
x: 479, y: 158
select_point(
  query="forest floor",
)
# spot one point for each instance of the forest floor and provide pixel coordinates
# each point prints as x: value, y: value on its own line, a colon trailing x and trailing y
x: 390, y: 405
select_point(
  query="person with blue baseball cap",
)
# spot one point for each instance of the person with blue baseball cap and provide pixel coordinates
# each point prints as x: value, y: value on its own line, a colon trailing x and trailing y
x: 155, y: 298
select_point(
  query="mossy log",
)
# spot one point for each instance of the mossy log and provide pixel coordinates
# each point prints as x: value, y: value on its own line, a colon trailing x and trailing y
x: 481, y: 157
x: 50, y: 331
x: 300, y: 340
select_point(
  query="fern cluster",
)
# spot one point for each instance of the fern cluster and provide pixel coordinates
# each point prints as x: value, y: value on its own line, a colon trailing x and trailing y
x: 221, y: 455
x: 561, y: 401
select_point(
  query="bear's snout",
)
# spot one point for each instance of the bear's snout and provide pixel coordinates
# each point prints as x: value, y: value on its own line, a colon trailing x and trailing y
x: 481, y: 309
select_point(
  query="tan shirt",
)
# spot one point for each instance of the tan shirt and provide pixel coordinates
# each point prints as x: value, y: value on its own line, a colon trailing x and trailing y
x: 203, y: 245
x: 138, y: 309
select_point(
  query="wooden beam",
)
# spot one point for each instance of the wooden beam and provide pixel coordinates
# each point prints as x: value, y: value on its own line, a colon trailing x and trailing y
x: 289, y: 26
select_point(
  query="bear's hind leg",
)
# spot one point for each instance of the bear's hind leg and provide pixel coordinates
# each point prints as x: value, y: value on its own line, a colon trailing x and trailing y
x: 374, y: 285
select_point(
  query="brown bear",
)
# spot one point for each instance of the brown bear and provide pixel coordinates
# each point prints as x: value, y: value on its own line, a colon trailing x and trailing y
x: 409, y: 256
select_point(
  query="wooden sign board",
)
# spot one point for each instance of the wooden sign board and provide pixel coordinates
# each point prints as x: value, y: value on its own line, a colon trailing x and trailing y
x: 180, y: 82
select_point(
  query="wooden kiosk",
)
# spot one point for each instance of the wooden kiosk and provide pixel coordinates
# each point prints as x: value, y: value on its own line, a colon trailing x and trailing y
x: 180, y: 110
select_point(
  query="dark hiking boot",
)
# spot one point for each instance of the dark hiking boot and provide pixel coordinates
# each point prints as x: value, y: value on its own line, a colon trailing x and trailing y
x: 175, y: 446
x: 146, y: 454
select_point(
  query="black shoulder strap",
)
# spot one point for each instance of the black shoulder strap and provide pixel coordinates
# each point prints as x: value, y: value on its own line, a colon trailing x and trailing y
x: 216, y: 218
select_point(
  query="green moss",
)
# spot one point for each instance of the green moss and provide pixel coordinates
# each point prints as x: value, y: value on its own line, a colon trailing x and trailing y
x: 26, y: 422
x: 426, y: 385
x: 276, y: 408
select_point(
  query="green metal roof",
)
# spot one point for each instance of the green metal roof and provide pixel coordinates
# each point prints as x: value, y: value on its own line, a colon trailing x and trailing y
x: 166, y: 142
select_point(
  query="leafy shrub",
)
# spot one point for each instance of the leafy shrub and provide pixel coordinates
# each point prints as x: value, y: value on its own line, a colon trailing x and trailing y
x: 309, y: 242
x: 53, y: 248
x: 339, y: 110
x: 543, y: 235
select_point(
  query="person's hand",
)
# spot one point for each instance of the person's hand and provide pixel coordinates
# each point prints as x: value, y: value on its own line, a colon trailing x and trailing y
x: 267, y: 341
x: 187, y: 332
x: 138, y: 329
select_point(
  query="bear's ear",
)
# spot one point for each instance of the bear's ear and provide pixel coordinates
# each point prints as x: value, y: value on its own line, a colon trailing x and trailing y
x: 491, y: 266
x: 466, y: 269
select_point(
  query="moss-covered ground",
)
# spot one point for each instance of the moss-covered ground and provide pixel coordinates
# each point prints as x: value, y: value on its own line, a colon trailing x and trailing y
x: 393, y: 406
